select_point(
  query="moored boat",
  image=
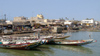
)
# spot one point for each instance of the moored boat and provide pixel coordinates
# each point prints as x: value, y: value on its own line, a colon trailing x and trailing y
x: 61, y: 37
x: 73, y: 42
x: 19, y: 43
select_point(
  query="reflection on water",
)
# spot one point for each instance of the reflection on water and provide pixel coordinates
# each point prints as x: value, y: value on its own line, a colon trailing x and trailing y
x: 21, y: 52
x: 73, y: 48
x: 41, y: 51
x: 45, y: 50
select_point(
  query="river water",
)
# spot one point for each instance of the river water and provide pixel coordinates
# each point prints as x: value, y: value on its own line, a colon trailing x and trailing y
x: 92, y: 49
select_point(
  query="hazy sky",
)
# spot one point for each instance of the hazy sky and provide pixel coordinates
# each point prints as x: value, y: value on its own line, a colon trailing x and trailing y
x: 51, y: 9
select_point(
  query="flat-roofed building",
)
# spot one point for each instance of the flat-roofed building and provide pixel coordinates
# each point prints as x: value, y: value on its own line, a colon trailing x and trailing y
x: 67, y: 22
x: 88, y: 22
x: 22, y: 18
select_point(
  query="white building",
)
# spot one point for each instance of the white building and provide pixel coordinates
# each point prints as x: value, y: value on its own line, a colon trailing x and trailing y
x: 88, y: 22
x: 96, y: 22
x: 67, y: 22
x: 9, y: 22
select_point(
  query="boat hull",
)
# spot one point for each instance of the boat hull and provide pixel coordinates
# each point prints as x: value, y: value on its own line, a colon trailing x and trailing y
x: 27, y: 46
x: 73, y: 43
x: 62, y: 37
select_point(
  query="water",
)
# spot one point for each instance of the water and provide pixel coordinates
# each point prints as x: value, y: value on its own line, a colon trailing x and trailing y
x: 92, y: 49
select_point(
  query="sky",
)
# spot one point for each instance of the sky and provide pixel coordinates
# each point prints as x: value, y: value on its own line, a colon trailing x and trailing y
x: 51, y: 9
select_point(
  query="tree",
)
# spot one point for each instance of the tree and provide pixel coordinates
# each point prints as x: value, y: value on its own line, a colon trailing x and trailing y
x: 66, y: 18
x: 73, y: 18
x: 87, y: 18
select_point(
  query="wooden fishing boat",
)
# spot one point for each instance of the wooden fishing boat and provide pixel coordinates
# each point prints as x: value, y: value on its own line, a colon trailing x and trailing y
x: 23, y: 42
x: 61, y: 37
x: 73, y: 42
x: 20, y: 44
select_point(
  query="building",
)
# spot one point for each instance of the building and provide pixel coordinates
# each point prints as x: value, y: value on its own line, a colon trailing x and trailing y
x: 20, y: 19
x: 88, y: 22
x: 40, y: 16
x: 67, y: 22
x: 36, y: 19
x: 46, y: 20
x: 96, y: 23
x: 9, y: 22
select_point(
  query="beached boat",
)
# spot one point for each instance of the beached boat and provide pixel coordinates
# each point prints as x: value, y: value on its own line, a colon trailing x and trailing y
x: 73, y: 42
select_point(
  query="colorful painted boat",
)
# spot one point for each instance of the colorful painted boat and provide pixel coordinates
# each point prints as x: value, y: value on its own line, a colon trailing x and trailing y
x: 20, y: 44
x: 23, y: 42
x: 73, y: 42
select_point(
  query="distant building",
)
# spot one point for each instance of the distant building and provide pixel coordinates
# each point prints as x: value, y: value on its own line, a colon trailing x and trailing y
x: 67, y: 22
x: 9, y: 22
x: 88, y: 22
x: 22, y: 18
x: 96, y: 23
x: 36, y: 19
x: 46, y: 20
x: 21, y: 21
x: 40, y: 16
